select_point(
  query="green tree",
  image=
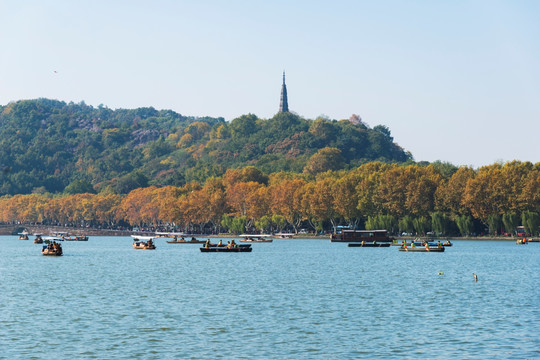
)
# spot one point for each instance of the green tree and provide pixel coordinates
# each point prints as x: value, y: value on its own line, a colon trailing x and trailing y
x: 238, y: 224
x: 494, y: 223
x: 531, y: 222
x: 279, y: 221
x: 79, y: 187
x: 510, y: 221
x: 465, y: 224
x: 406, y: 224
x: 421, y: 225
x: 439, y: 223
x: 324, y: 160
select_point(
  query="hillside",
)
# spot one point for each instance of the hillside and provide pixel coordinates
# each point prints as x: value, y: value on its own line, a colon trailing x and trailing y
x: 51, y: 146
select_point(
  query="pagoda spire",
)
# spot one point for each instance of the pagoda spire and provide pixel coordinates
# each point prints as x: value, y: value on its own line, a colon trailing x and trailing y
x: 283, y: 103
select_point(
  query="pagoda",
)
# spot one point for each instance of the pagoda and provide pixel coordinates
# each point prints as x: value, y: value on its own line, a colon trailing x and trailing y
x: 283, y: 104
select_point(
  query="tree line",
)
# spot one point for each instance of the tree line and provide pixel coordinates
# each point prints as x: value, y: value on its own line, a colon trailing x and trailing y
x: 416, y: 199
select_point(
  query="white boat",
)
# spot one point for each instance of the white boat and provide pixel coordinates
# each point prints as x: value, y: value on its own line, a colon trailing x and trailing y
x: 255, y: 238
x: 284, y: 235
x: 139, y: 237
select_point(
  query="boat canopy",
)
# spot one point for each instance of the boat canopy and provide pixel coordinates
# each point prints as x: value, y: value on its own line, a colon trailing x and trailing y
x: 137, y: 237
x: 255, y: 236
x: 169, y: 234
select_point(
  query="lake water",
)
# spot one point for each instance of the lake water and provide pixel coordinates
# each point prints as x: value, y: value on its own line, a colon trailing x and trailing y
x: 290, y: 299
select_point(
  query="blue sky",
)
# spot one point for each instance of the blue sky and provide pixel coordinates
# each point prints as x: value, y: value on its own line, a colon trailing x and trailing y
x: 455, y: 81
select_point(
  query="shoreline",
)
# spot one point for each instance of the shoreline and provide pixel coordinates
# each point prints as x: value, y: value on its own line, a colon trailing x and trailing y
x: 42, y: 229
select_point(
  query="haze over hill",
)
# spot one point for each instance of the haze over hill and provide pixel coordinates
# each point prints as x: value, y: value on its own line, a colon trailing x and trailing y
x: 52, y: 146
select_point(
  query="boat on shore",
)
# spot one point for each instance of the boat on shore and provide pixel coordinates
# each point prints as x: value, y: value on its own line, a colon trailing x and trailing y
x: 52, y: 249
x: 140, y: 244
x: 422, y: 249
x: 372, y: 244
x: 351, y: 236
x: 284, y: 235
x: 255, y: 238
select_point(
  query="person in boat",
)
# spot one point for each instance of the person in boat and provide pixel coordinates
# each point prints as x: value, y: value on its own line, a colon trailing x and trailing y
x: 207, y: 244
x: 412, y: 244
x: 363, y: 242
x: 150, y: 243
x: 220, y: 243
x: 228, y: 244
x: 439, y: 243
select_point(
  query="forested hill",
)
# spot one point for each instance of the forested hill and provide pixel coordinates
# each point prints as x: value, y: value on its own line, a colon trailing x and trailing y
x: 50, y: 146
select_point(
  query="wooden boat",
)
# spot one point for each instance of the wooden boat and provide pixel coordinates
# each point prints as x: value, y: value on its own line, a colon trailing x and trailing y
x: 422, y: 243
x: 239, y: 248
x: 81, y: 238
x: 369, y: 245
x: 23, y: 235
x: 139, y: 244
x: 422, y: 249
x: 380, y: 236
x: 54, y: 249
x: 143, y: 245
x: 184, y: 241
x: 255, y: 238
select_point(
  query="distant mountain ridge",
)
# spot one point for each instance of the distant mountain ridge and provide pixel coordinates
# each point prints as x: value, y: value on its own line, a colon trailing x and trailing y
x: 52, y: 146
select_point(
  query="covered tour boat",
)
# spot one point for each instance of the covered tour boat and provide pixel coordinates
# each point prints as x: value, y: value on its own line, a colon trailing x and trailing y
x: 350, y: 236
x: 23, y: 235
x: 38, y: 239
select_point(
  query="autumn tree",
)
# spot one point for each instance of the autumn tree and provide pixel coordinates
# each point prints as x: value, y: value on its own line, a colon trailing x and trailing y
x: 285, y: 199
